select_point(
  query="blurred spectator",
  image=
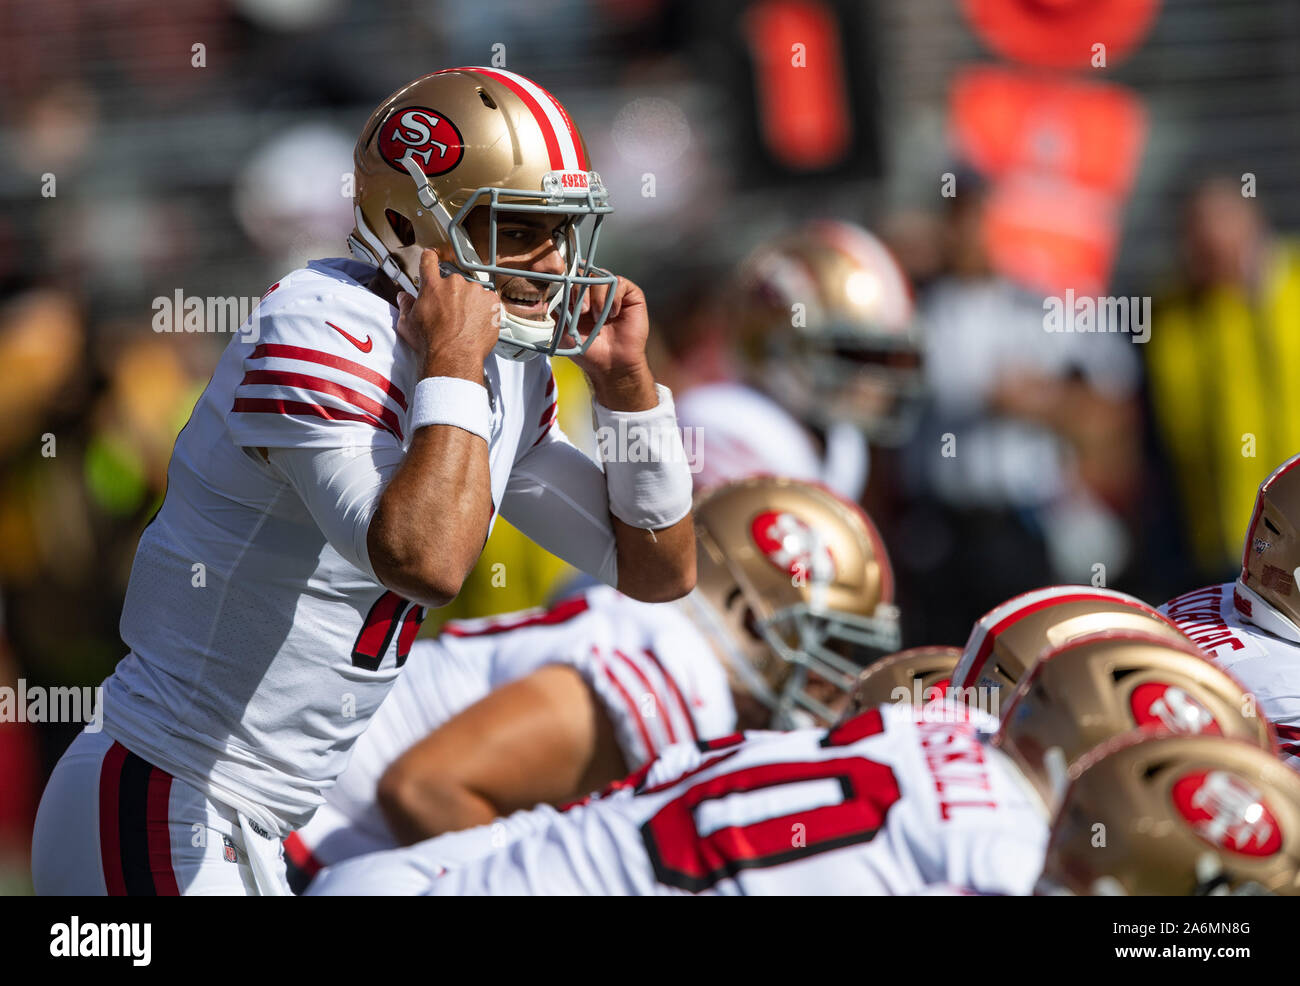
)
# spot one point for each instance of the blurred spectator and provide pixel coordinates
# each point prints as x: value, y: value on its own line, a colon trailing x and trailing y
x: 1027, y: 453
x: 1224, y: 366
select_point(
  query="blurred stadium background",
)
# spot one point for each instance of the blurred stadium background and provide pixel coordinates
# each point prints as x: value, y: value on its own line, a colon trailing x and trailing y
x: 134, y: 164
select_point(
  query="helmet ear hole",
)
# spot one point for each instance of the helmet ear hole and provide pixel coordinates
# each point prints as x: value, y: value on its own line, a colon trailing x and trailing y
x: 401, y: 226
x: 488, y: 101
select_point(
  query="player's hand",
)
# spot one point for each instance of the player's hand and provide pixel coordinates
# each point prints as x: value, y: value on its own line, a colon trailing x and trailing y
x: 453, y: 323
x: 615, y: 363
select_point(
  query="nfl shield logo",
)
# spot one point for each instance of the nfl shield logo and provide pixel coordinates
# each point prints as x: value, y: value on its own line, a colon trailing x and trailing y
x: 231, y: 855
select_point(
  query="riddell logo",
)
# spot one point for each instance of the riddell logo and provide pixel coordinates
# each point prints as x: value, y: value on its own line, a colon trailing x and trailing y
x: 792, y: 546
x: 423, y: 135
x: 1227, y: 812
x: 1158, y: 704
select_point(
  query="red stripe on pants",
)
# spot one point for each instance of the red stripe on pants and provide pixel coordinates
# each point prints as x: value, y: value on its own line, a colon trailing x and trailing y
x: 110, y: 849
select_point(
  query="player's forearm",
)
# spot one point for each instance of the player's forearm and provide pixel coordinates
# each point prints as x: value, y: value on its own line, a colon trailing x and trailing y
x: 420, y: 807
x: 625, y: 389
x: 649, y: 485
x: 659, y: 566
x: 432, y: 518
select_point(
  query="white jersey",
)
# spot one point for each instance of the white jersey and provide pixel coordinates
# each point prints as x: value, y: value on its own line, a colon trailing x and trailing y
x: 652, y: 671
x: 1265, y: 664
x: 743, y: 432
x: 258, y: 652
x: 892, y: 802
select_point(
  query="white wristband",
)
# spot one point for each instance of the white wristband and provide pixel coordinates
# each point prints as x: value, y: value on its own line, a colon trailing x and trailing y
x: 452, y: 401
x: 646, y: 470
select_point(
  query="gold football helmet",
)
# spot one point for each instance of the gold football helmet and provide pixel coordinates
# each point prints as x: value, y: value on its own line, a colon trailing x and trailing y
x: 1007, y: 639
x: 792, y: 580
x: 1111, y: 682
x: 1176, y: 816
x: 462, y: 138
x: 1270, y: 561
x: 917, y: 675
x: 825, y: 324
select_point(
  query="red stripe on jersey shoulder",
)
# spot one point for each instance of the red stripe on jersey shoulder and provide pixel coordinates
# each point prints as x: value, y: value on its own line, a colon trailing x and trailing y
x: 630, y: 702
x: 869, y: 723
x: 676, y: 691
x: 323, y: 386
x: 673, y: 781
x: 281, y: 351
x: 271, y: 405
x: 720, y: 742
x: 561, y: 612
x: 652, y: 691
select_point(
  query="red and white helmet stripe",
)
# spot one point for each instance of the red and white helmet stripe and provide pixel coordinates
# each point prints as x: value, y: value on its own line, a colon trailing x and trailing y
x: 562, y: 140
x: 996, y: 621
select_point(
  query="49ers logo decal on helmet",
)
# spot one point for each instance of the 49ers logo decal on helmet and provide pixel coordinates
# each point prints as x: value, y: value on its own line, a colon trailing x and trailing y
x: 792, y: 546
x: 425, y: 136
x: 1155, y: 703
x: 1227, y: 812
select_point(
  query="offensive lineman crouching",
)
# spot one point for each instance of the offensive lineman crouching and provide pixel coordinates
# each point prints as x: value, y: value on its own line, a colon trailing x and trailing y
x: 342, y: 473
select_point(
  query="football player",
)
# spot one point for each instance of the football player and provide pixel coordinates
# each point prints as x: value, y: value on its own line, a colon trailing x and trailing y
x: 502, y: 714
x: 1181, y: 815
x: 829, y: 358
x: 1093, y: 688
x: 341, y: 472
x: 1006, y: 641
x: 1251, y: 627
x: 919, y: 675
x: 887, y: 802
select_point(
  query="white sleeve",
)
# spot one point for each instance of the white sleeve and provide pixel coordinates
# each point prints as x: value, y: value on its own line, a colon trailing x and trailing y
x: 415, y: 869
x: 340, y: 488
x: 557, y: 497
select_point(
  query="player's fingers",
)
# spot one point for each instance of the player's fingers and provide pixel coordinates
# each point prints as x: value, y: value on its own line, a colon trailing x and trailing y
x: 620, y: 291
x: 430, y: 264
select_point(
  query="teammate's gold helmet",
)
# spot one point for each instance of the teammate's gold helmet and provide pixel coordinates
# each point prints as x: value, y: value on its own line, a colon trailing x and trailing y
x: 1105, y: 684
x: 1007, y: 640
x: 791, y: 579
x: 1270, y: 561
x: 462, y: 138
x: 1176, y: 816
x: 825, y: 324
x: 917, y: 675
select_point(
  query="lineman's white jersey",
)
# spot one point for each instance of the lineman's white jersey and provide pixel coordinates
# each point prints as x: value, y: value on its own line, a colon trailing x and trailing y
x: 259, y: 648
x: 651, y: 670
x: 891, y: 802
x: 1265, y: 664
x: 740, y: 432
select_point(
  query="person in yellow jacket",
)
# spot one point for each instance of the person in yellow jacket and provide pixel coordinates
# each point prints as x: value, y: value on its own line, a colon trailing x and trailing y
x: 1224, y: 367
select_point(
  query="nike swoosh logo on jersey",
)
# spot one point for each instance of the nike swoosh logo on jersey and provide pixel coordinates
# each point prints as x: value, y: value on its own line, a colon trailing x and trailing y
x: 365, y: 347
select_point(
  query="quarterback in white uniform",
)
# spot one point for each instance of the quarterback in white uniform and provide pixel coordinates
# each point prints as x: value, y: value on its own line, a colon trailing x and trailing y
x: 829, y: 358
x: 537, y: 707
x: 341, y: 472
x: 891, y: 802
x: 1251, y: 627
